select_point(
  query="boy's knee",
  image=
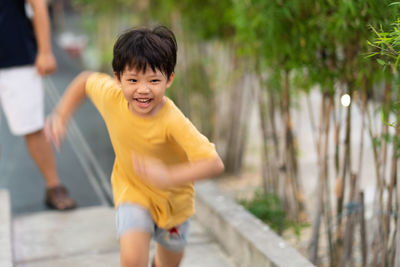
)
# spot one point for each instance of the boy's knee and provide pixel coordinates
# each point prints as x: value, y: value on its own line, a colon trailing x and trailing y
x: 134, y: 247
x: 167, y: 258
x: 133, y: 260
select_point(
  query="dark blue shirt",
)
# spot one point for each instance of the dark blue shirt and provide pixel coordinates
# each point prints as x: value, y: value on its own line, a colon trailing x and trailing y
x: 17, y: 38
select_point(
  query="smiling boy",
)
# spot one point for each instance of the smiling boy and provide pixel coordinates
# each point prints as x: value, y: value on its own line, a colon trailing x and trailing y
x: 159, y: 153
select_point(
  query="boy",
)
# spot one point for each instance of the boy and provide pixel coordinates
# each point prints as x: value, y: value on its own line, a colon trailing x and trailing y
x: 159, y: 153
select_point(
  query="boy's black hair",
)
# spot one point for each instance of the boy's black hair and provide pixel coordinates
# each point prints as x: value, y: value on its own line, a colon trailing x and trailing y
x: 141, y: 47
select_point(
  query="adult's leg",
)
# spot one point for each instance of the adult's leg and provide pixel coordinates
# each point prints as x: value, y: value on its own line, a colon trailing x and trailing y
x: 167, y: 258
x: 22, y: 102
x: 42, y: 154
x: 21, y: 98
x: 134, y: 246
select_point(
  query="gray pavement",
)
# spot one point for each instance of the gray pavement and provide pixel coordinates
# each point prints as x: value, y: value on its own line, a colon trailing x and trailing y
x: 87, y: 237
x: 5, y: 230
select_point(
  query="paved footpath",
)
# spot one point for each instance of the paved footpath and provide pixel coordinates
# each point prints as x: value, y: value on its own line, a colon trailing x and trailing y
x: 87, y: 237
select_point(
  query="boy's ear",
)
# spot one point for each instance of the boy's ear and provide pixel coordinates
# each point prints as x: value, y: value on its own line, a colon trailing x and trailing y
x: 117, y: 78
x: 171, y: 79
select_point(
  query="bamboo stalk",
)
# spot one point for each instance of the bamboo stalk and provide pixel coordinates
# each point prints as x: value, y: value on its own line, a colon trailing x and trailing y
x: 375, y: 150
x: 289, y: 185
x: 312, y: 121
x: 385, y: 131
x: 397, y: 242
x: 342, y: 185
x: 381, y: 233
x: 298, y: 206
x: 276, y: 159
x: 392, y: 247
x: 264, y: 132
x: 239, y: 103
x: 272, y: 115
x: 363, y: 234
x: 395, y: 221
x: 337, y: 127
x: 363, y: 113
x: 376, y: 234
x: 350, y: 224
x: 392, y: 183
x: 328, y: 205
x: 314, y: 241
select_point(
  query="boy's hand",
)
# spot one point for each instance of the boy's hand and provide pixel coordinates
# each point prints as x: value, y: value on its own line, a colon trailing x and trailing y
x: 55, y: 129
x: 153, y: 171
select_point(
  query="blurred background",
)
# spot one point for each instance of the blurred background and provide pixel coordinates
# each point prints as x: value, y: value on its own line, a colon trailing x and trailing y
x: 300, y: 97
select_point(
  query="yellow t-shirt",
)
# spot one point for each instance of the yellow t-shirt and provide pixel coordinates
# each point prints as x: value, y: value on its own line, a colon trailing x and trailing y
x: 168, y: 136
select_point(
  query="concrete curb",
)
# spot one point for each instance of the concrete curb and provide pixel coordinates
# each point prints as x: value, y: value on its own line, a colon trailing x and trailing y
x: 6, y: 258
x: 246, y: 239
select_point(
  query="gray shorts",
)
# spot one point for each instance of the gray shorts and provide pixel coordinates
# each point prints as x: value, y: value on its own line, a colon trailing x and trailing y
x: 131, y: 217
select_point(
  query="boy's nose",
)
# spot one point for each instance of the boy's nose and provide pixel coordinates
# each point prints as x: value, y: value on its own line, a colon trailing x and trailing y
x: 144, y: 89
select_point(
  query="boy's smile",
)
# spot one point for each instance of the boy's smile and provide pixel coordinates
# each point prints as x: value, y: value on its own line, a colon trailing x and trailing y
x: 144, y: 91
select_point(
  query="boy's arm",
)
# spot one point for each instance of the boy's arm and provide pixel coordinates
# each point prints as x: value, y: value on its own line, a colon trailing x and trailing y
x: 45, y: 62
x: 160, y: 175
x: 204, y: 161
x: 74, y: 94
x: 191, y: 172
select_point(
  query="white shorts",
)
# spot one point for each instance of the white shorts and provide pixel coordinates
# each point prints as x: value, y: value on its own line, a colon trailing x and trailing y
x: 21, y: 98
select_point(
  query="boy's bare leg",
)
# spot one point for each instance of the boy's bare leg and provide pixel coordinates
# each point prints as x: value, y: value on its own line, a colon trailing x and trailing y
x: 167, y: 258
x: 135, y: 249
x: 42, y: 154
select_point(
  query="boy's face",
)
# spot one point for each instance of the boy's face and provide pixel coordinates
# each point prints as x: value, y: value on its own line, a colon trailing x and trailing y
x: 144, y: 91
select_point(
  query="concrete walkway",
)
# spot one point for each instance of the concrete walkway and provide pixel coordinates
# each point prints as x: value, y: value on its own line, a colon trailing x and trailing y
x: 87, y: 237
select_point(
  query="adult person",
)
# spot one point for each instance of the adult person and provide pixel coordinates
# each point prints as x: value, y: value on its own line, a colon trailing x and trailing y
x: 25, y: 56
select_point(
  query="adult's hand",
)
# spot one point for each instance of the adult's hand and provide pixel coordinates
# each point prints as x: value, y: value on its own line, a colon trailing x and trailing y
x: 45, y: 63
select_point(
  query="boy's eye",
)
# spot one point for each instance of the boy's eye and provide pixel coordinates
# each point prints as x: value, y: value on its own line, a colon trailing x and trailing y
x: 155, y: 81
x: 132, y: 80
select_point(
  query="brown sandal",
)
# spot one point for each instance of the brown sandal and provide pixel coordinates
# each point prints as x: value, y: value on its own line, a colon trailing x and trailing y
x: 57, y: 198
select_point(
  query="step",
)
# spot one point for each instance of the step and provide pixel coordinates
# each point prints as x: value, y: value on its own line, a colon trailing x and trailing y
x: 248, y: 240
x: 87, y: 237
x: 5, y: 229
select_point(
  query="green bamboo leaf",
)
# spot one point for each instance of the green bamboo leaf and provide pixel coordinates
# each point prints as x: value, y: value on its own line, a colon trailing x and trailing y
x: 381, y: 62
x: 397, y: 61
x: 373, y: 54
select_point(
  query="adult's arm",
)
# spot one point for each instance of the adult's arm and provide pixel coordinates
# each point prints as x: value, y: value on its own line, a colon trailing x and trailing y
x: 45, y: 61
